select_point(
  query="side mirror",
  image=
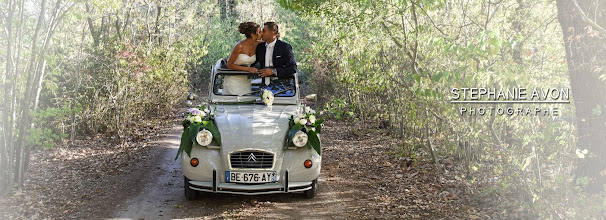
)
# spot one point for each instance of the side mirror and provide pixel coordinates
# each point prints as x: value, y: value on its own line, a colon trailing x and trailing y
x: 311, y: 97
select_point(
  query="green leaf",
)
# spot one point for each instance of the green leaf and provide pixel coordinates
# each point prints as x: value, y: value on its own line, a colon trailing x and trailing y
x: 185, y: 142
x: 318, y: 126
x: 526, y: 162
x: 417, y: 77
x: 193, y: 131
x: 187, y: 139
x: 428, y: 92
x: 293, y: 130
x: 291, y: 122
x: 314, y: 141
x: 494, y: 42
x: 437, y: 77
x: 210, y: 126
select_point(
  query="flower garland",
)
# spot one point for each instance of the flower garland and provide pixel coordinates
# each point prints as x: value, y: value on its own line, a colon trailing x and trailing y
x: 308, y: 123
x: 195, y: 119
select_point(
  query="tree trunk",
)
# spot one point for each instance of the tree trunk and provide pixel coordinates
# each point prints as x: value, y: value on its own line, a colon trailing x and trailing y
x: 25, y: 105
x: 223, y: 7
x: 231, y: 4
x: 36, y: 87
x: 157, y: 26
x: 584, y: 49
x: 91, y: 27
x: 7, y: 128
x: 118, y: 26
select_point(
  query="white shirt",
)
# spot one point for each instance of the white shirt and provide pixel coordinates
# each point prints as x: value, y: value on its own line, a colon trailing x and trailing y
x: 269, y: 53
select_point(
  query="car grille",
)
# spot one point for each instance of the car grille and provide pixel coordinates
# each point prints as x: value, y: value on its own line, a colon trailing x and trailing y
x: 252, y: 159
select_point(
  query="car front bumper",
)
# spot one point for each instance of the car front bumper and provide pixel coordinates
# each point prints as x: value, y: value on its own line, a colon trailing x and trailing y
x: 209, y: 175
x: 283, y: 186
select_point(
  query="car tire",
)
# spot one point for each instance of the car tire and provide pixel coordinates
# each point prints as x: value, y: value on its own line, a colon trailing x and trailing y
x: 311, y: 193
x: 190, y: 194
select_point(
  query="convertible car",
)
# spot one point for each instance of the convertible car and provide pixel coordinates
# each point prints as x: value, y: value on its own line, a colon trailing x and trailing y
x: 255, y: 154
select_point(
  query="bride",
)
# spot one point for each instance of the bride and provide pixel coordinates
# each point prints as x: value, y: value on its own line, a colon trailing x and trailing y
x: 242, y: 56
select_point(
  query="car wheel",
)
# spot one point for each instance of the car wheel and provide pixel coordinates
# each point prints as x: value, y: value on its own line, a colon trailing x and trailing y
x: 190, y: 194
x: 311, y: 193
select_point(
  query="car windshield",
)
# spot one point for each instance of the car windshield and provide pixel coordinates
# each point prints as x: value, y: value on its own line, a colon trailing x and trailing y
x: 251, y: 85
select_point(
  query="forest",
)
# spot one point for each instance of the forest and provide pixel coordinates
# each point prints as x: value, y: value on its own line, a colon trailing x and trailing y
x: 107, y: 70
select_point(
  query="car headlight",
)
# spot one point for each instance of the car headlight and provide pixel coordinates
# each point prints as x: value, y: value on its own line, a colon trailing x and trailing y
x: 204, y: 137
x: 300, y: 139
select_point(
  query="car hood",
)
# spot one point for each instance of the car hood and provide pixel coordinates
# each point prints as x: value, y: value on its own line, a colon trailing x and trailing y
x: 253, y: 126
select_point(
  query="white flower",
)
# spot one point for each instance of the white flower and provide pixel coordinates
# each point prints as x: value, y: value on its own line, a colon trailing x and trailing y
x: 308, y: 109
x: 303, y: 121
x: 203, y: 114
x: 190, y: 119
x: 312, y: 119
x: 313, y: 129
x: 196, y: 119
x: 581, y: 153
x: 298, y: 117
x: 268, y: 97
x: 206, y: 110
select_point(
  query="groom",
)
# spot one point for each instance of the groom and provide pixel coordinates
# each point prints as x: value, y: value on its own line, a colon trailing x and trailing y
x: 275, y: 57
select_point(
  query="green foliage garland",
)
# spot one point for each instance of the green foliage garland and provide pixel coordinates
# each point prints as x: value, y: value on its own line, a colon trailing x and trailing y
x: 196, y: 119
x: 307, y: 123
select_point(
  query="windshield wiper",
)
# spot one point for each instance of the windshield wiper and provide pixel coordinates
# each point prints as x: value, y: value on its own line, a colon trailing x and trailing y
x: 284, y: 90
x: 249, y: 100
x: 249, y: 93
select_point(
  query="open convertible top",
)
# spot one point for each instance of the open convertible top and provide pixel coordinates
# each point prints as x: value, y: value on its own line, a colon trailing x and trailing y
x: 220, y: 70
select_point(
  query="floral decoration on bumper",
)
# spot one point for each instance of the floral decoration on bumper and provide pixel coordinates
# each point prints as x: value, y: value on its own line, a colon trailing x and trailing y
x: 198, y: 126
x: 304, y: 129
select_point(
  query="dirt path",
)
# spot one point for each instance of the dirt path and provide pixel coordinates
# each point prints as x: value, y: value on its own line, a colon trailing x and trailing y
x: 161, y: 196
x: 364, y: 176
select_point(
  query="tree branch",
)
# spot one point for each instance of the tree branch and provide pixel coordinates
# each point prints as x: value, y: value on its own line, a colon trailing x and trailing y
x: 586, y: 19
x: 91, y: 27
x: 431, y: 20
x: 416, y: 39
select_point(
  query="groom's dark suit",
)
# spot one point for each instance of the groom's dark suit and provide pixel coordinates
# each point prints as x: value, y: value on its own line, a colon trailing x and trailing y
x: 283, y: 59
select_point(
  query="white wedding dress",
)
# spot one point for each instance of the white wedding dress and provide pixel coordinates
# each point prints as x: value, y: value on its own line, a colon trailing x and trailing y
x: 239, y: 85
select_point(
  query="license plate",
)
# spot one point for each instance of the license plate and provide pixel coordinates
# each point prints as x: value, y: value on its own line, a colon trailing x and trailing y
x: 246, y: 177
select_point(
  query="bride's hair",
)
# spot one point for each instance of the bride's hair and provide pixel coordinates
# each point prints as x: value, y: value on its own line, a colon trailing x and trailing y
x: 272, y: 26
x: 248, y: 28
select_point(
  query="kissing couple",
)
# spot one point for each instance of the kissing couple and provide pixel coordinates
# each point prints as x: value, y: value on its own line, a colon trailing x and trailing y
x: 263, y: 47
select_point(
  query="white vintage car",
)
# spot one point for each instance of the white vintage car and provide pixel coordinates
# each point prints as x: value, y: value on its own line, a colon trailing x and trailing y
x: 255, y: 155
